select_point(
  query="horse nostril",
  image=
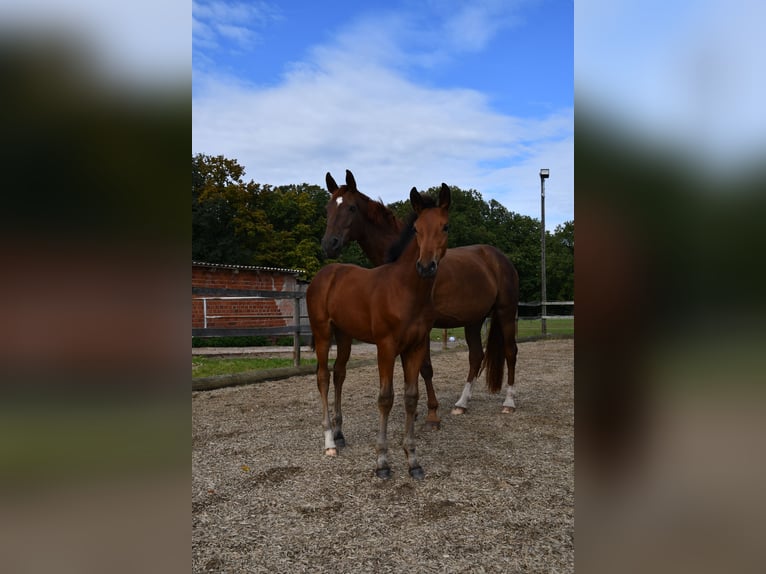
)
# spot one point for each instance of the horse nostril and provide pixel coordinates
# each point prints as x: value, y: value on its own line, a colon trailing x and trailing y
x: 426, y: 270
x: 331, y: 245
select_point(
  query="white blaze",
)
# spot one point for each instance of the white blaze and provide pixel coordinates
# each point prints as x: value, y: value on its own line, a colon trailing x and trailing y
x: 339, y: 200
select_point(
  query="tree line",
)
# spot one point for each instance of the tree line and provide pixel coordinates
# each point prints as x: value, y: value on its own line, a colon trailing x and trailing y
x: 247, y: 223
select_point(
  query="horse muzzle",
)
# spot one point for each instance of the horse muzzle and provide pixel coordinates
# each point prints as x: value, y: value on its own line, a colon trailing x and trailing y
x: 331, y: 246
x: 428, y: 270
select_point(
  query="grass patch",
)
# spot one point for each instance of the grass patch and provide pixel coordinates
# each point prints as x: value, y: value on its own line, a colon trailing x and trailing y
x: 213, y: 366
x: 532, y: 328
x: 527, y: 328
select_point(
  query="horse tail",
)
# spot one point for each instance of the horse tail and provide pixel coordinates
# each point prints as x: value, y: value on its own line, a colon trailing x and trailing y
x: 313, y: 346
x: 494, y: 358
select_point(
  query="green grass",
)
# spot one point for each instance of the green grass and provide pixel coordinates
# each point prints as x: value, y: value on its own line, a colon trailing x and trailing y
x: 527, y: 328
x: 212, y: 366
x: 532, y: 327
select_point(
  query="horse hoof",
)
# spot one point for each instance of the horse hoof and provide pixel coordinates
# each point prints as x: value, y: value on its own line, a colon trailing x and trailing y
x: 508, y: 410
x: 383, y: 473
x: 417, y: 473
x: 331, y: 451
x: 458, y: 411
x: 432, y: 425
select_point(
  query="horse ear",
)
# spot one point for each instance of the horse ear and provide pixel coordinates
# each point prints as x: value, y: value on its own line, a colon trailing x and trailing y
x: 331, y: 185
x: 350, y: 181
x: 416, y: 200
x: 445, y: 196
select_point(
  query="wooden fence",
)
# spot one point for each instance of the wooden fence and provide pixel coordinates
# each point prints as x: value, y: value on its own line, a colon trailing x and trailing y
x: 296, y: 327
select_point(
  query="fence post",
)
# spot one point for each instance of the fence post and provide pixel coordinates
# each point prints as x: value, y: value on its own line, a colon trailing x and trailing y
x: 297, y: 332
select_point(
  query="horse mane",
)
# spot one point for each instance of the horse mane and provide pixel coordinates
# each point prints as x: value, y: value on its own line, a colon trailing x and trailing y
x: 408, y: 231
x: 379, y: 215
x: 377, y: 212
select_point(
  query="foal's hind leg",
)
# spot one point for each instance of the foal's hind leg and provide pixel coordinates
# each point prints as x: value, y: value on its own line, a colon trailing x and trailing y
x: 475, y: 357
x: 411, y: 360
x: 386, y: 359
x: 343, y: 343
x: 433, y: 422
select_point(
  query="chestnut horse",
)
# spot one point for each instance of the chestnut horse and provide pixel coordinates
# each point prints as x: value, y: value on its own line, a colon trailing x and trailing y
x: 390, y: 306
x: 475, y: 282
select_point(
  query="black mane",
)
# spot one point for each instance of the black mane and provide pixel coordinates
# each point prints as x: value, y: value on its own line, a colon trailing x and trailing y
x: 408, y: 231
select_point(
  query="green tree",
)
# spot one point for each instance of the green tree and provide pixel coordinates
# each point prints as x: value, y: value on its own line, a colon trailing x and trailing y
x: 559, y: 263
x: 247, y: 223
x: 214, y: 181
x: 469, y: 218
x: 518, y: 236
x: 353, y: 254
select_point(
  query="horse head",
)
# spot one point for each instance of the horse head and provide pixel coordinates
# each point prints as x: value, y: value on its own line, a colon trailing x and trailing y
x: 431, y: 227
x: 343, y: 217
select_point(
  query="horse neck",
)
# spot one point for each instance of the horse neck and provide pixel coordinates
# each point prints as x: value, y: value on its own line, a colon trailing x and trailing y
x: 404, y: 275
x: 378, y: 235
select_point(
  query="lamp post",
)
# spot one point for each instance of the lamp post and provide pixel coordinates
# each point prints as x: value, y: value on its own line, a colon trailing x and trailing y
x: 544, y: 174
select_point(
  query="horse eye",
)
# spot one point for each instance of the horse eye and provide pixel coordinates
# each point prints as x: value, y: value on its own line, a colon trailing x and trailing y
x: 352, y: 208
x: 446, y: 228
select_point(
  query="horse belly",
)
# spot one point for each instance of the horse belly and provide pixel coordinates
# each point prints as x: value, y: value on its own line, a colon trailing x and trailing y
x: 463, y: 298
x: 355, y: 325
x: 350, y: 314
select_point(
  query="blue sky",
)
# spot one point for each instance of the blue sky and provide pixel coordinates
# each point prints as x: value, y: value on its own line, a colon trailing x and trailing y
x: 476, y: 94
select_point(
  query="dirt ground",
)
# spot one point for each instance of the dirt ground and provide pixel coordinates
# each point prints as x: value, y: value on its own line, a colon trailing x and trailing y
x: 498, y: 494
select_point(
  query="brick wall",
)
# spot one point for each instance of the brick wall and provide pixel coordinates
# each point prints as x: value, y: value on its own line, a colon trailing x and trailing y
x: 242, y: 313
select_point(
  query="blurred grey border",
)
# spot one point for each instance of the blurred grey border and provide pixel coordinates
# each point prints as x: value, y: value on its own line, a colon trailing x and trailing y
x: 94, y: 415
x: 670, y: 199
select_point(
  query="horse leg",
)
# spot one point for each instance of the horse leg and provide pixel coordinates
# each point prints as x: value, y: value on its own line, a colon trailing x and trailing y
x: 511, y: 350
x: 411, y: 361
x: 475, y: 357
x: 386, y: 359
x: 343, y: 345
x: 322, y: 348
x: 433, y: 422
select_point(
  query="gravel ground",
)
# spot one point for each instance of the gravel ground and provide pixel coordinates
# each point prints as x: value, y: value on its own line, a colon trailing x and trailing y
x: 498, y: 494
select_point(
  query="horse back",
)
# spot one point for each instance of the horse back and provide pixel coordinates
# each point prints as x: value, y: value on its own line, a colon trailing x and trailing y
x: 470, y: 282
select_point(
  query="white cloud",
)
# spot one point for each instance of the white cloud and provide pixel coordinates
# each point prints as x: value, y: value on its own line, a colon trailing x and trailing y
x: 352, y: 109
x: 473, y: 24
x: 220, y: 21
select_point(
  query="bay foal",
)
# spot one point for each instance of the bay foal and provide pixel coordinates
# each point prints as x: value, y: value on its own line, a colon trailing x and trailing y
x: 390, y: 306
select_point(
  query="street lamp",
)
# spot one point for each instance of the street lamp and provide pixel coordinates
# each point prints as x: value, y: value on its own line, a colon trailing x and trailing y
x: 544, y: 174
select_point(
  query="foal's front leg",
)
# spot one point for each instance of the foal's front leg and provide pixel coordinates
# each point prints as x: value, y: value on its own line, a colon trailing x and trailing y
x: 343, y: 343
x: 322, y: 348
